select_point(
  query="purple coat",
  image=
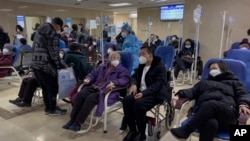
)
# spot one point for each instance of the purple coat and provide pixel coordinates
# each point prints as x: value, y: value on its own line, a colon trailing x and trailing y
x: 119, y: 76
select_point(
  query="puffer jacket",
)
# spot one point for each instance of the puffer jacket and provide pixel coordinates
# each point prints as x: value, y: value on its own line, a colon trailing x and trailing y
x: 46, y: 50
x: 225, y: 88
x: 155, y: 79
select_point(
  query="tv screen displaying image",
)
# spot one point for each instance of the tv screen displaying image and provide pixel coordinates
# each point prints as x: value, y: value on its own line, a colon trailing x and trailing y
x: 172, y: 12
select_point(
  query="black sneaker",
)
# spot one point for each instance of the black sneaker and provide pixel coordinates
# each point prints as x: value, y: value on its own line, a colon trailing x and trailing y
x: 75, y: 126
x: 140, y: 137
x: 18, y: 99
x: 23, y: 104
x: 68, y: 124
x: 57, y: 112
x: 130, y: 136
x: 46, y: 111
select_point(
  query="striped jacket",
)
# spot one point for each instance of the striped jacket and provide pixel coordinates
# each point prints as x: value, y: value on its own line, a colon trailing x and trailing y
x: 46, y: 50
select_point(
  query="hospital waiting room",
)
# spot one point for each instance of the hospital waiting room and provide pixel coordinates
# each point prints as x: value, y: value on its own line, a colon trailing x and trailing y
x: 131, y: 70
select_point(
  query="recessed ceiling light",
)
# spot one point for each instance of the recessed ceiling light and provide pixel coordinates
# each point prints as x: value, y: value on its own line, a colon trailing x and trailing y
x: 60, y: 10
x: 6, y: 10
x: 120, y: 4
x: 23, y: 7
x: 160, y: 0
x: 78, y: 0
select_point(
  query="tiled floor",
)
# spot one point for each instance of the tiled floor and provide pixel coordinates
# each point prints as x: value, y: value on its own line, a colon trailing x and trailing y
x: 30, y: 124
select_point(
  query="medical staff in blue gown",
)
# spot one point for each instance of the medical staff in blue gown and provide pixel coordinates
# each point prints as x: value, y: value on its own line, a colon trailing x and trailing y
x: 130, y: 44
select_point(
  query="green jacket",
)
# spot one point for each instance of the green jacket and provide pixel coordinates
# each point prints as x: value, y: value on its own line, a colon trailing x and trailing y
x: 80, y: 63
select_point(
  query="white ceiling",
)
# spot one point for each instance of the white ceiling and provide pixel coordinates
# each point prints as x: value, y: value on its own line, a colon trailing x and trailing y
x: 104, y: 4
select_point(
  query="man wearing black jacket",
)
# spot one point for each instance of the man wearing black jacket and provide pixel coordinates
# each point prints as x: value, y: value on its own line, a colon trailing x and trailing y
x: 149, y: 87
x: 46, y: 62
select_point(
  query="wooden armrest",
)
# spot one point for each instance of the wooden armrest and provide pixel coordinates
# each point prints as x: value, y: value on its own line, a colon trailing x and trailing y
x: 243, y: 118
x: 180, y: 102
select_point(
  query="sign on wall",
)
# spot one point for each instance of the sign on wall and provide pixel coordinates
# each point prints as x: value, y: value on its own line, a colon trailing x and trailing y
x: 20, y: 20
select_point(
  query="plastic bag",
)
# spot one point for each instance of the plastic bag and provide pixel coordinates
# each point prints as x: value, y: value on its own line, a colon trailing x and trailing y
x: 198, y: 12
x: 66, y: 82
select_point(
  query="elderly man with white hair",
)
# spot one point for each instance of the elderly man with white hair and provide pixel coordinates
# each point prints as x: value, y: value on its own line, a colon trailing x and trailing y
x: 106, y: 76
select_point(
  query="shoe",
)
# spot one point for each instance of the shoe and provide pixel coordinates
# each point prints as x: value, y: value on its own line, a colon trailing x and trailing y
x: 57, y: 112
x: 75, y: 126
x: 179, y: 133
x: 23, y: 104
x: 16, y: 100
x: 140, y: 137
x: 46, y: 111
x: 68, y: 124
x: 131, y: 136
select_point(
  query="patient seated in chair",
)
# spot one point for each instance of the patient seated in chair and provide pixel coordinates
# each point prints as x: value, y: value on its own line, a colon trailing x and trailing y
x: 184, y: 58
x: 218, y: 101
x: 6, y: 58
x: 105, y: 77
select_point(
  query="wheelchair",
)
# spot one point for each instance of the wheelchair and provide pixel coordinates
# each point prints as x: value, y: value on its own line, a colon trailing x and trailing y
x: 155, y: 123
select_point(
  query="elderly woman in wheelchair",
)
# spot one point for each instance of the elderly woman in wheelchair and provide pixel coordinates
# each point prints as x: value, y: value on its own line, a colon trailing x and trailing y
x: 104, y: 78
x: 219, y: 99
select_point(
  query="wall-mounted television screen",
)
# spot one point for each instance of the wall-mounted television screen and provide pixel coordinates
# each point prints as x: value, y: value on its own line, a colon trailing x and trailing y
x: 172, y: 12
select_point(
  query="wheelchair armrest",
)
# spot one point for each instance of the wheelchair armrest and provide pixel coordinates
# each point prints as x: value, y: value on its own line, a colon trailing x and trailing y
x: 243, y: 118
x: 180, y: 102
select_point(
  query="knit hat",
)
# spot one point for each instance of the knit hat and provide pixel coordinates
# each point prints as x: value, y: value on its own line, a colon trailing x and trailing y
x: 245, y: 41
x: 126, y: 27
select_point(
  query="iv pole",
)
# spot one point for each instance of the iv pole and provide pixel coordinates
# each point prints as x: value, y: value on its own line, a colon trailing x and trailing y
x: 222, y: 34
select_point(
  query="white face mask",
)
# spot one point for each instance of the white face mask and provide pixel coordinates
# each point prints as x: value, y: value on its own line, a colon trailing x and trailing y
x: 244, y: 48
x: 214, y: 72
x: 187, y: 46
x: 173, y: 38
x: 142, y: 60
x: 115, y: 62
x: 124, y: 34
x: 5, y: 51
x: 94, y: 43
x: 61, y: 56
x: 18, y: 31
x: 109, y: 51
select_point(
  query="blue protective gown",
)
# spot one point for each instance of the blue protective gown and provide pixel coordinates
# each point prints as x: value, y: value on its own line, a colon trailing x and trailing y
x: 131, y: 44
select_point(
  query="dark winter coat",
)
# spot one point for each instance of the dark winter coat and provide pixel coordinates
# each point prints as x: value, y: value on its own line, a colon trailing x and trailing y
x: 155, y: 79
x: 81, y: 65
x: 225, y: 88
x: 46, y: 50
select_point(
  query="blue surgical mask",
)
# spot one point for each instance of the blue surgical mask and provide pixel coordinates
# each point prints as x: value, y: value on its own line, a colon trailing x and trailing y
x: 187, y: 46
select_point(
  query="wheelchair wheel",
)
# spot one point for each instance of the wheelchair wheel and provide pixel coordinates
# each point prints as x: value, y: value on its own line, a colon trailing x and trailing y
x: 169, y: 116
